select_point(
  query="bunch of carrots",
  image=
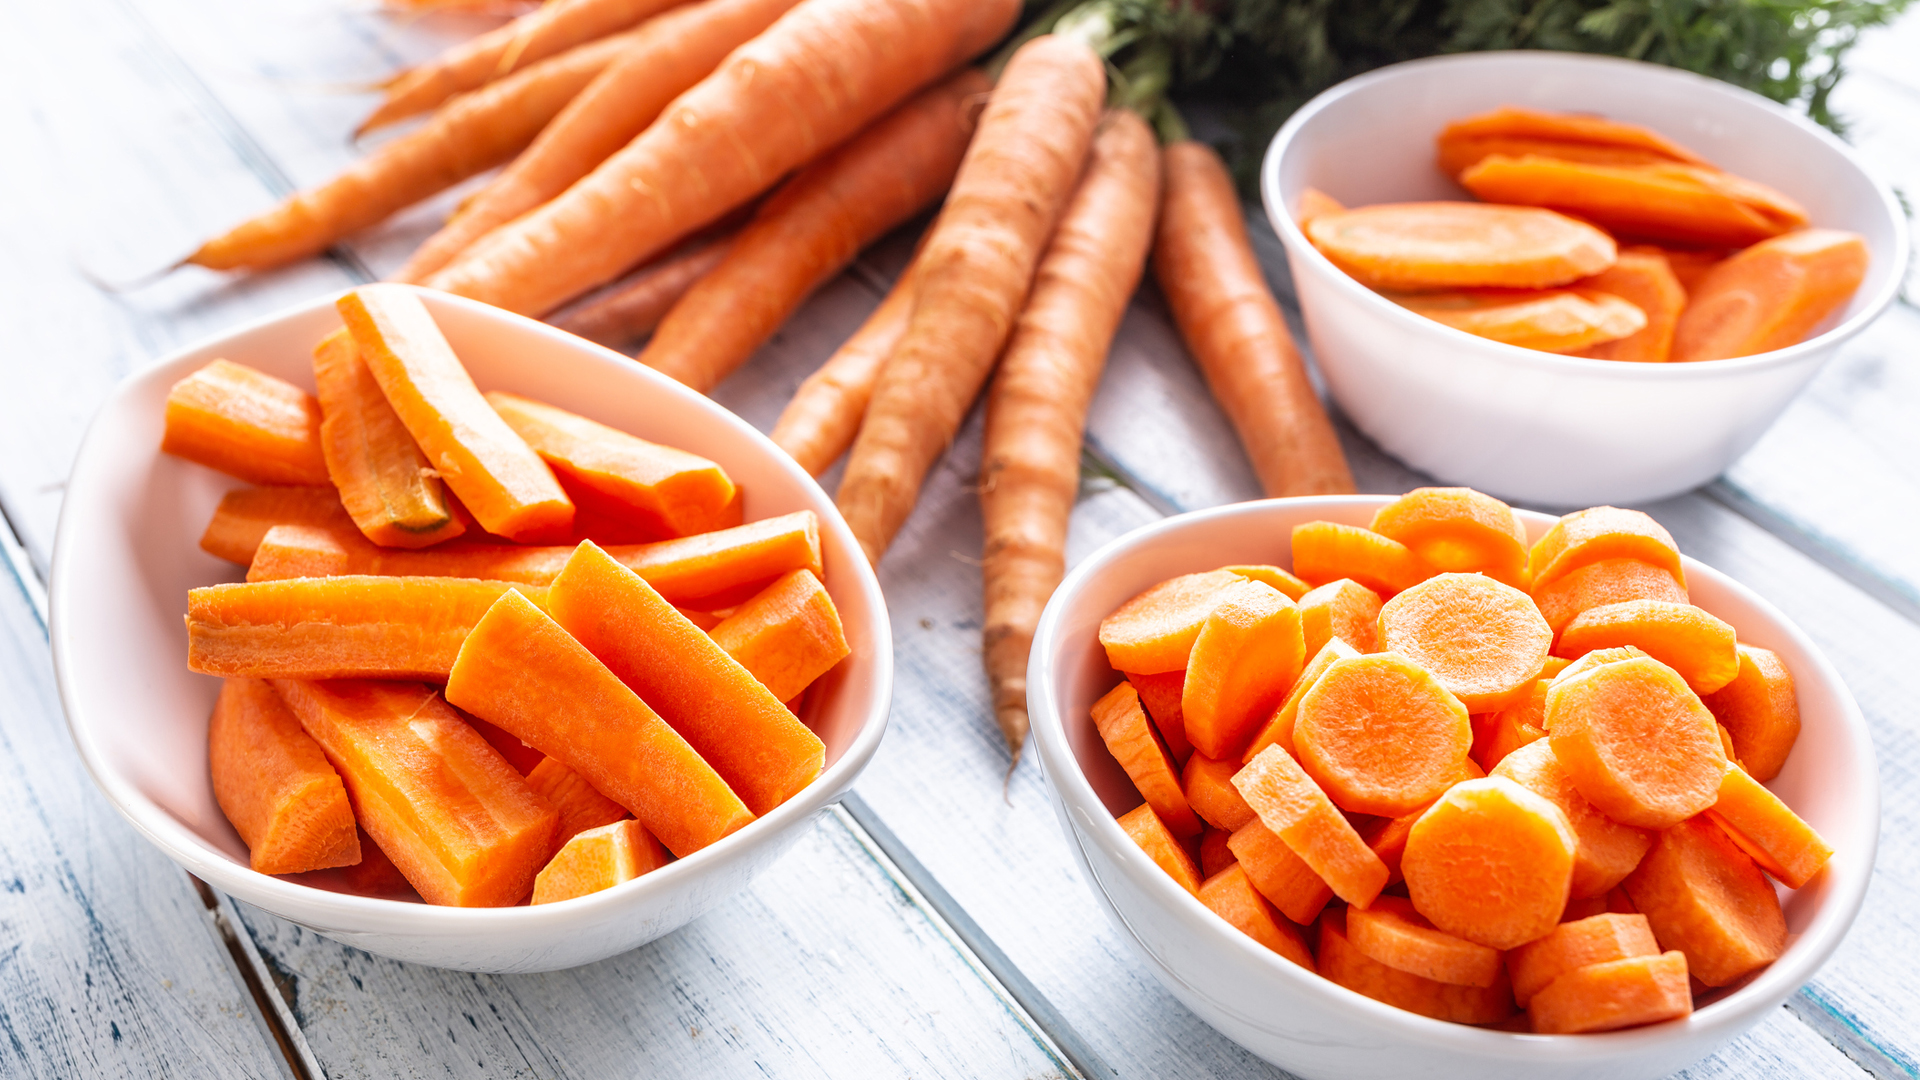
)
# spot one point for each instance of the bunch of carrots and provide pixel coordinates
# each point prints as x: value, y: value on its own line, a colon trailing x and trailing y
x: 1479, y: 776
x: 706, y: 165
x: 519, y: 714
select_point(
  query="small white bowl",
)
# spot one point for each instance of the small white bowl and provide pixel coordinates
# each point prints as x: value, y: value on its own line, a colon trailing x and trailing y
x: 127, y: 551
x: 1533, y: 426
x: 1311, y: 1026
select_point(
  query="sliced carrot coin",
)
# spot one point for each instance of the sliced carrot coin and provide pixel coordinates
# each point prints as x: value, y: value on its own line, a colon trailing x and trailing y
x: 1613, y: 995
x: 1145, y: 828
x: 1602, y: 532
x: 1392, y: 932
x: 1324, y: 551
x: 275, y: 784
x: 1246, y: 656
x: 1636, y: 742
x: 1313, y: 203
x: 1683, y: 637
x: 1491, y: 862
x: 1608, y: 851
x: 1380, y: 735
x: 596, y: 859
x: 1448, y: 245
x: 1160, y: 694
x: 1778, y: 839
x: 1215, y: 855
x: 1295, y: 809
x: 1288, y: 585
x: 1666, y: 202
x: 1760, y: 711
x: 1703, y: 896
x: 1208, y: 784
x: 1550, y: 320
x: 1498, y: 734
x: 1482, y: 640
x: 1645, y: 280
x: 1232, y: 897
x: 1458, y: 529
x: 245, y: 423
x: 1280, y: 874
x: 1134, y: 744
x: 1154, y: 631
x: 1278, y: 731
x: 1343, y: 609
x: 1341, y: 962
x: 1609, y: 581
x: 1771, y: 295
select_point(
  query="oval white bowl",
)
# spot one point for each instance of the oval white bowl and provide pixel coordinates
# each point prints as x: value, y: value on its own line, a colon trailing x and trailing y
x: 1311, y: 1026
x: 127, y: 550
x: 1533, y: 426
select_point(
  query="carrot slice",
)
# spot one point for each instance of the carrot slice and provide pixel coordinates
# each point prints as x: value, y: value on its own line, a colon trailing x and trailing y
x: 1614, y: 995
x: 385, y: 482
x: 245, y: 515
x: 275, y: 785
x: 1460, y: 154
x: 1706, y: 898
x: 520, y: 670
x: 580, y: 807
x: 1497, y: 734
x: 338, y: 627
x: 1392, y: 932
x: 1484, y: 641
x: 1160, y: 694
x: 497, y: 476
x: 1689, y: 265
x: 1232, y: 897
x: 762, y: 750
x: 458, y: 821
x: 1771, y: 295
x: 1701, y: 648
x: 1324, y: 552
x: 1569, y: 129
x: 1131, y: 739
x: 1291, y: 805
x: 1215, y: 855
x: 786, y: 636
x: 1458, y: 529
x: 1645, y: 280
x: 1208, y: 785
x: 1609, y: 581
x: 1765, y: 828
x: 1313, y: 203
x: 1760, y: 712
x: 245, y: 423
x: 522, y: 757
x: 1602, y: 532
x: 1341, y: 962
x: 597, y: 859
x: 1596, y: 939
x: 1607, y: 851
x: 1594, y: 659
x: 1154, y: 631
x: 1145, y: 828
x: 1683, y: 203
x: 1279, y: 873
x: 1551, y: 320
x: 1636, y: 742
x: 1450, y: 245
x: 1286, y: 584
x: 1246, y: 656
x: 1381, y: 735
x: 1490, y: 862
x: 1279, y: 730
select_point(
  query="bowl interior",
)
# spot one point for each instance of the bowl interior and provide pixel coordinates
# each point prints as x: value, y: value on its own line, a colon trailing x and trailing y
x: 128, y: 552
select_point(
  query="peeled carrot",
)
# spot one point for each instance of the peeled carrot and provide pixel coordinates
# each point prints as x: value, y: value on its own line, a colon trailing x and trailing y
x: 1380, y: 735
x: 1487, y: 667
x: 246, y: 423
x: 1706, y: 898
x: 693, y: 165
x: 1278, y: 731
x: 1278, y: 873
x: 1013, y: 185
x: 1450, y: 245
x: 1232, y: 897
x: 1609, y: 581
x: 1550, y: 320
x: 1685, y: 203
x: 1458, y: 530
x: 1160, y: 694
x: 246, y: 515
x: 1325, y: 551
x: 1636, y: 742
x: 1343, y: 609
x: 1607, y: 851
x: 275, y: 784
x: 1154, y: 631
x: 1293, y: 806
x: 1700, y: 647
x: 385, y: 482
x: 1645, y: 280
x: 1208, y: 785
x: 664, y: 56
x: 1355, y: 970
x: 1037, y: 407
x: 1596, y: 939
x: 580, y: 807
x: 596, y: 859
x: 1205, y: 265
x: 1602, y: 532
x: 823, y: 417
x: 630, y: 308
x: 1765, y: 828
x: 788, y: 635
x: 1145, y: 828
x: 1759, y: 711
x: 1613, y: 995
x: 1771, y: 295
x: 1246, y: 657
x: 1393, y: 933
x: 1490, y: 862
x: 1131, y: 740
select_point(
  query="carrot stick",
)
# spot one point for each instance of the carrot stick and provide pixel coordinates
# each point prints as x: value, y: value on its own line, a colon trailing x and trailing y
x: 819, y: 74
x: 472, y: 134
x: 813, y: 227
x: 823, y: 417
x: 1205, y: 265
x: 552, y: 29
x: 632, y: 307
x: 246, y: 423
x: 669, y: 54
x: 980, y: 262
x: 1037, y: 409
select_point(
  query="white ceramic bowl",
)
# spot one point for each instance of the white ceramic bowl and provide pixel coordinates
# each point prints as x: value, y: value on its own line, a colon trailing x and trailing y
x: 1322, y: 1031
x: 1533, y: 426
x: 127, y: 552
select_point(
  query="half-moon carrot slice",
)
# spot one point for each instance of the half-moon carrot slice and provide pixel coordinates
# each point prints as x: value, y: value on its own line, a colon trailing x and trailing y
x: 1645, y: 280
x: 1703, y: 896
x: 1687, y: 639
x: 1636, y: 742
x: 1208, y: 785
x: 1160, y: 695
x: 1765, y: 828
x: 1550, y: 320
x: 1490, y: 862
x: 1484, y: 641
x: 1295, y: 809
x: 1609, y: 581
x: 1232, y: 897
x: 1672, y: 202
x: 1602, y: 532
x: 1458, y: 529
x: 1771, y: 295
x: 1453, y: 245
x: 1497, y: 734
x: 579, y: 805
x: 1760, y: 712
x: 246, y: 514
x: 1289, y: 586
x: 1130, y: 738
x: 596, y: 859
x: 1380, y: 735
x: 1244, y: 659
x: 1613, y: 995
x: 385, y: 482
x: 1608, y: 851
x: 275, y: 784
x: 1324, y: 551
x: 1154, y: 631
x: 1279, y: 730
x: 245, y: 423
x: 1392, y: 932
x: 1343, y: 609
x: 1215, y: 855
x: 1278, y: 872
x: 1145, y: 828
x: 788, y: 635
x: 1595, y: 939
x: 1341, y: 962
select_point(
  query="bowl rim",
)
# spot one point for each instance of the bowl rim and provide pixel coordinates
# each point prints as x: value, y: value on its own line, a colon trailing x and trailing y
x: 349, y: 912
x: 1726, y: 1016
x: 1299, y: 247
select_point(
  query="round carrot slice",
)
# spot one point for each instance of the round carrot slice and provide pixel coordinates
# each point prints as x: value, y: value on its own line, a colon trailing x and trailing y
x: 1490, y: 862
x: 1154, y: 631
x: 1448, y: 245
x: 1484, y: 641
x: 1603, y: 532
x: 1609, y: 581
x: 1596, y: 939
x: 1324, y: 551
x: 1550, y: 320
x: 1380, y: 735
x: 1701, y: 648
x: 1232, y: 896
x: 1392, y: 932
x: 1243, y: 661
x: 1636, y: 742
x: 1608, y: 850
x: 1343, y: 609
x: 1341, y: 962
x: 1458, y: 529
x: 1706, y: 898
x: 1292, y: 587
x: 1760, y: 712
x: 1617, y: 994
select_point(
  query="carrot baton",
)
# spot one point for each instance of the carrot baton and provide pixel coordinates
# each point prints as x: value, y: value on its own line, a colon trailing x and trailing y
x: 670, y: 53
x: 823, y: 417
x: 632, y: 307
x: 813, y: 227
x: 980, y: 260
x: 1205, y: 266
x: 1037, y: 408
x: 819, y: 74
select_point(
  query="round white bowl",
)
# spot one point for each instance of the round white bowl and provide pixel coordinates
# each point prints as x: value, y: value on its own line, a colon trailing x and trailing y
x: 1311, y: 1026
x: 127, y: 551
x: 1534, y: 426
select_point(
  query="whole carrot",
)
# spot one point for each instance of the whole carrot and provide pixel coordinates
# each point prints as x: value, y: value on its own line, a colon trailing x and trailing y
x: 631, y: 307
x: 472, y: 134
x: 823, y: 416
x: 671, y: 52
x: 1037, y: 407
x: 553, y: 28
x: 979, y: 263
x: 1205, y: 266
x: 813, y: 227
x: 818, y: 75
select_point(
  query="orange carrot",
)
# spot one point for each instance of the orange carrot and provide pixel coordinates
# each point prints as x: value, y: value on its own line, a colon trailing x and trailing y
x: 1215, y: 853
x: 1145, y: 828
x: 1293, y: 806
x: 1015, y: 181
x: 385, y: 483
x: 1570, y: 136
x: 1683, y: 637
x: 823, y: 417
x: 1685, y: 203
x: 1355, y: 970
x: 1208, y: 784
x: 787, y: 635
x: 275, y: 785
x: 1490, y: 862
x: 246, y: 423
x: 1278, y: 731
x: 1155, y: 631
x: 1645, y: 280
x: 1706, y: 898
x: 1131, y: 740
x: 1458, y: 530
x: 1395, y: 934
x: 1380, y: 735
x: 580, y: 807
x: 1636, y: 742
x: 1771, y: 295
x: 1325, y: 551
x: 812, y: 227
x: 1232, y: 896
x: 1765, y: 828
x: 1609, y: 581
x: 1205, y: 265
x: 1603, y: 532
x: 1607, y: 851
x: 665, y: 55
x: 1495, y: 735
x: 1243, y: 662
x: 1450, y: 245
x: 1613, y: 995
x: 1488, y: 669
x: 693, y: 164
x: 631, y: 307
x: 1343, y: 609
x: 1278, y: 873
x: 1160, y: 694
x: 245, y: 516
x: 1550, y: 320
x: 1759, y: 711
x: 1282, y: 582
x: 596, y: 859
x: 1595, y: 939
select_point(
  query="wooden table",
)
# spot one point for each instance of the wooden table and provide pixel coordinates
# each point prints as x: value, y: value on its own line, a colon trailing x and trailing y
x: 934, y: 924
